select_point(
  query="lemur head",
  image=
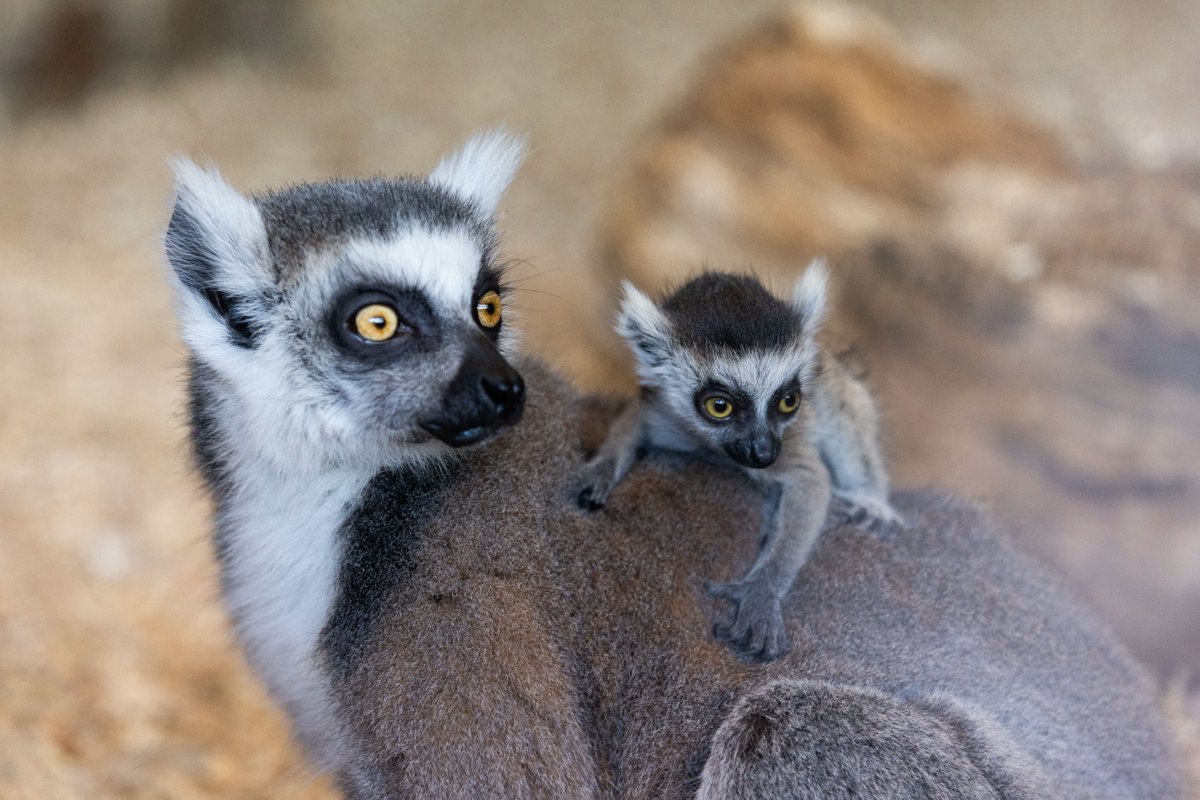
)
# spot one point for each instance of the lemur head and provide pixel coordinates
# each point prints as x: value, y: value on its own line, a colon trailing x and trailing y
x: 353, y: 321
x: 727, y: 359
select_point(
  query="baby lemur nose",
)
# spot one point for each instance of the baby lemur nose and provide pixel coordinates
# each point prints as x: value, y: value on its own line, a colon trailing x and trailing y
x: 764, y: 450
x: 757, y: 451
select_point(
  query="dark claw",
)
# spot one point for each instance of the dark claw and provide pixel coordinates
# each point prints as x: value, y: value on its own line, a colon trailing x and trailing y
x: 587, y: 502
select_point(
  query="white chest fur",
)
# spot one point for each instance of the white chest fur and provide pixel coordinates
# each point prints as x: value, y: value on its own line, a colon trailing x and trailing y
x: 280, y: 582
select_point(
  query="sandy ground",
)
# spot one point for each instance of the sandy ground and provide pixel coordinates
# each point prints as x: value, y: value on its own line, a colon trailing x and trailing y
x: 117, y: 675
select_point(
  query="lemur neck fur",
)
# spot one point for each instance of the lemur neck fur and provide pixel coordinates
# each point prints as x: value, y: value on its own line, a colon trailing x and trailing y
x: 279, y: 520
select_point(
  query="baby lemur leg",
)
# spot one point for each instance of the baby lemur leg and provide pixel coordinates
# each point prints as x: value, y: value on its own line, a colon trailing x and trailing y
x: 614, y: 458
x: 792, y: 526
x: 846, y: 433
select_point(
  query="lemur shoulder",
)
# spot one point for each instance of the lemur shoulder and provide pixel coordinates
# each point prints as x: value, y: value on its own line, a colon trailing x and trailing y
x: 729, y: 371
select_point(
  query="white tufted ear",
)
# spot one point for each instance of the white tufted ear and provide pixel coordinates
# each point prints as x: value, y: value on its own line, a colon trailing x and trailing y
x: 642, y: 324
x: 810, y: 295
x: 217, y: 246
x: 482, y: 170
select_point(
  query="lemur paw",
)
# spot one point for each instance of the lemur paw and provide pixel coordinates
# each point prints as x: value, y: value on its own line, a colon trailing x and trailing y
x: 596, y: 483
x: 869, y: 510
x: 757, y: 631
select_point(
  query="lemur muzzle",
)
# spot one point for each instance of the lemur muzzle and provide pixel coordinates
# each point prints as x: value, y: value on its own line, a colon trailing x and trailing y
x: 485, y: 395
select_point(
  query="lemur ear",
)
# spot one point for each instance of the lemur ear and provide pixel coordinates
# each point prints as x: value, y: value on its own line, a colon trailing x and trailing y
x: 810, y: 294
x: 645, y: 327
x: 217, y: 246
x: 483, y: 169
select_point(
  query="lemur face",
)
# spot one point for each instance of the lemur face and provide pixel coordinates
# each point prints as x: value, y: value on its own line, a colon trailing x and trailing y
x: 365, y: 316
x: 727, y: 360
x: 407, y: 332
x: 743, y: 404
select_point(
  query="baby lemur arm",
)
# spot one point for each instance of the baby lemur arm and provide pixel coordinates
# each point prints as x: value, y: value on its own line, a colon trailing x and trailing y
x: 614, y: 458
x: 846, y: 434
x: 797, y: 500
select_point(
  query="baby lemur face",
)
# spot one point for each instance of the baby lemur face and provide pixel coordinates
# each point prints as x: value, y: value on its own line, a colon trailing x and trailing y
x: 726, y: 361
x: 365, y: 317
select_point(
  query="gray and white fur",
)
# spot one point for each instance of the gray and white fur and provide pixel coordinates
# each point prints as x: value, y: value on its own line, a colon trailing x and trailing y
x: 439, y: 622
x: 787, y: 412
x: 293, y: 412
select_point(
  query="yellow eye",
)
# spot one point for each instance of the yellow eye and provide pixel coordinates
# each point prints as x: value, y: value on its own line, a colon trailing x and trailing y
x: 488, y: 309
x: 789, y: 402
x: 718, y: 407
x: 376, y: 322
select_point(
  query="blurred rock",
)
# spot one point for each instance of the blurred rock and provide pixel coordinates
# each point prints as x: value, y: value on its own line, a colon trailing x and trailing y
x: 1028, y: 319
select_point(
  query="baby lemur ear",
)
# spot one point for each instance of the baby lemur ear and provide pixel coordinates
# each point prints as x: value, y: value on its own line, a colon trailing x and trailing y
x: 645, y: 327
x: 483, y: 169
x: 217, y: 246
x: 810, y: 294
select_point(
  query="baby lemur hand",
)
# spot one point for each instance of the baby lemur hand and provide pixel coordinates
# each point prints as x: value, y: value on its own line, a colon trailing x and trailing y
x: 756, y: 630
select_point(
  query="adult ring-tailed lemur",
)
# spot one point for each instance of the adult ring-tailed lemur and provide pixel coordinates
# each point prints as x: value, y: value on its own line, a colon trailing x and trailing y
x: 409, y: 574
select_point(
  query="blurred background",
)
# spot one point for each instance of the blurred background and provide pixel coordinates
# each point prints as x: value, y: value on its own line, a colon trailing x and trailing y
x: 1010, y: 193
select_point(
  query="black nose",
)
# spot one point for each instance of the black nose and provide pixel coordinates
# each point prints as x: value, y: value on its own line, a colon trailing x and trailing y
x: 486, y: 395
x: 507, y: 393
x: 756, y: 452
x: 763, y: 451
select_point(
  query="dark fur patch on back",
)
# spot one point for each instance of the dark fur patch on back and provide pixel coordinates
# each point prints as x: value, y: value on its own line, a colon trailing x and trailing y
x: 311, y: 215
x: 730, y: 312
x: 380, y: 538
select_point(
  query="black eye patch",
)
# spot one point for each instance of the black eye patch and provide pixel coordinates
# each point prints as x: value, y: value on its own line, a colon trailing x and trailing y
x: 740, y: 400
x: 419, y: 329
x: 786, y: 400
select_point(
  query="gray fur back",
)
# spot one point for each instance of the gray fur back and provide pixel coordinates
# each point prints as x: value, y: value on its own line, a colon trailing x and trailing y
x: 533, y: 650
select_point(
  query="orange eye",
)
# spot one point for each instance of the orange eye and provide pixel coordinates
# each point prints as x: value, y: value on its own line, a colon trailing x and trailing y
x: 789, y: 403
x: 488, y: 309
x: 376, y: 322
x: 717, y: 407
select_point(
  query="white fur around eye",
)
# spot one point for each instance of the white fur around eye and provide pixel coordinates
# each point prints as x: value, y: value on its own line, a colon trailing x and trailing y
x: 762, y: 373
x: 443, y: 265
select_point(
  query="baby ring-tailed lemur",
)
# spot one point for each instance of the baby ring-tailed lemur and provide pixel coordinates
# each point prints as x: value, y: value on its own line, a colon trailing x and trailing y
x: 726, y: 367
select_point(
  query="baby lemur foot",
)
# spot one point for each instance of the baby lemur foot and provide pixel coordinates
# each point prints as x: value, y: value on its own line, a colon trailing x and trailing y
x: 757, y: 630
x: 596, y: 483
x: 869, y: 510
